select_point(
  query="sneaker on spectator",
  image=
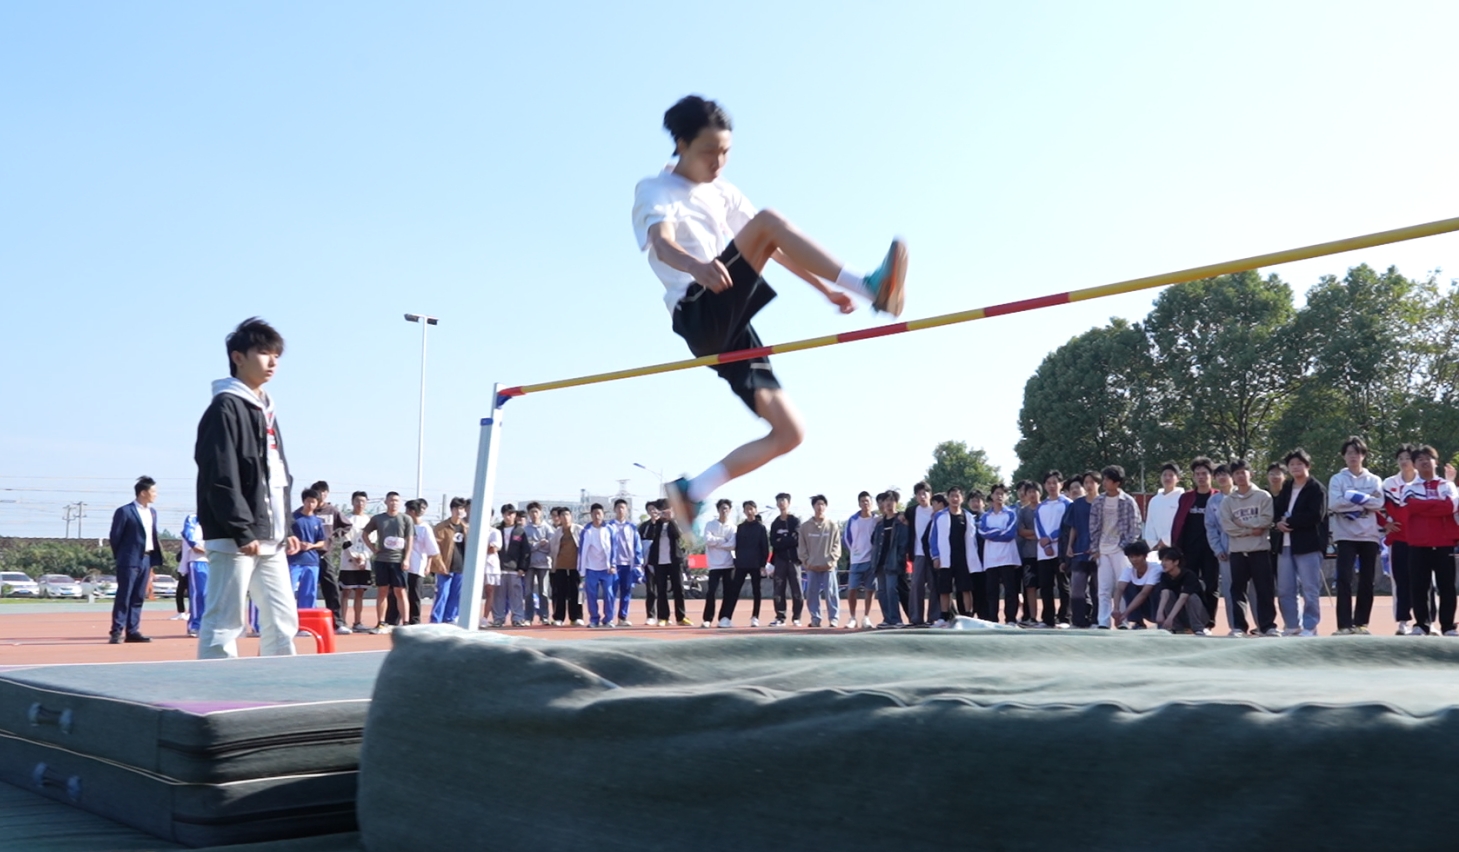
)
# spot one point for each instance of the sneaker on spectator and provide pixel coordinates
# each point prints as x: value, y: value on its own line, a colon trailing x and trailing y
x: 577, y: 623
x: 179, y: 617
x: 623, y: 622
x: 815, y: 622
x: 1292, y: 631
x: 1403, y: 628
x: 1418, y: 630
x: 795, y: 623
x: 1271, y: 632
x: 1306, y: 632
x: 1362, y: 630
x: 755, y: 622
x: 866, y: 622
x: 706, y: 624
x: 342, y: 631
x: 725, y: 622
x: 941, y: 622
x: 779, y: 622
x: 1451, y: 632
x: 1237, y: 634
x: 686, y: 622
x: 652, y: 622
x: 1204, y: 631
x: 1344, y: 631
x: 192, y: 634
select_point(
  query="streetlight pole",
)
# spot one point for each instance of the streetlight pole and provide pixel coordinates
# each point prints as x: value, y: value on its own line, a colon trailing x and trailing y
x: 658, y: 474
x: 420, y: 443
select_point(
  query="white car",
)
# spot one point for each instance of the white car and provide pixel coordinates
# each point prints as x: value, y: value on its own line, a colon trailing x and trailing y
x: 164, y: 585
x: 60, y: 586
x: 103, y: 586
x: 16, y: 584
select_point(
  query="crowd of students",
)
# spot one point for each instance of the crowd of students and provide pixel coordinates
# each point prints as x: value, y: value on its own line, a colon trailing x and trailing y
x: 1068, y: 552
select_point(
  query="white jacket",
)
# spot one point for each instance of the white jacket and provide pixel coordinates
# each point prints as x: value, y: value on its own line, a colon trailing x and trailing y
x: 939, y: 535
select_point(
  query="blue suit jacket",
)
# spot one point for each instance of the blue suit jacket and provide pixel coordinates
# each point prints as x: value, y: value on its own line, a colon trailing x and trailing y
x: 127, y: 543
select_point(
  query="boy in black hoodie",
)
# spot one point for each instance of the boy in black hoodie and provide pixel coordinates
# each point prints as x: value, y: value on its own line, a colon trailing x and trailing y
x: 243, y: 502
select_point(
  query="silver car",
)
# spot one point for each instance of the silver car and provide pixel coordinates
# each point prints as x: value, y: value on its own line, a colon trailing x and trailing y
x: 164, y: 585
x: 102, y: 586
x: 17, y: 584
x: 60, y: 586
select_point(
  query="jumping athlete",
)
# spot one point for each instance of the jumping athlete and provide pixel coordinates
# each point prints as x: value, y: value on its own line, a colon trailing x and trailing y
x: 709, y: 245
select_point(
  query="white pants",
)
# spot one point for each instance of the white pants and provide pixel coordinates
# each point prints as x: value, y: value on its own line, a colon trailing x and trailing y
x: 232, y: 577
x: 1110, y: 567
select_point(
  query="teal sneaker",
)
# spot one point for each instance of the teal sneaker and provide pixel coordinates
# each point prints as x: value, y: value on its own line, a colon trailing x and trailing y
x: 677, y: 493
x: 887, y: 283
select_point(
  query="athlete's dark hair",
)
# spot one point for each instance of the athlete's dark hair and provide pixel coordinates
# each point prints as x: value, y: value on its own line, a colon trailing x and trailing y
x: 1239, y: 464
x: 619, y: 501
x: 685, y: 119
x: 818, y: 498
x: 321, y: 485
x: 1418, y: 450
x: 920, y: 487
x: 1300, y: 455
x: 975, y: 494
x: 457, y: 503
x: 1138, y: 547
x: 252, y: 333
x: 308, y: 493
x: 723, y: 503
x: 1354, y: 441
x: 1174, y: 554
x: 508, y: 508
x: 956, y: 488
x: 782, y: 496
x: 1221, y: 468
x: 143, y: 483
x: 596, y: 507
x: 358, y: 494
x: 1114, y: 472
x: 863, y: 494
x: 412, y: 506
x: 1172, y: 467
x: 534, y: 505
x: 1277, y: 466
x: 939, y: 498
x: 749, y: 504
x: 1200, y: 461
x: 1053, y: 473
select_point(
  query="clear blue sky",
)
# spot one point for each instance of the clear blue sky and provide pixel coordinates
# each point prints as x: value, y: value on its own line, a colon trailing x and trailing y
x: 167, y: 169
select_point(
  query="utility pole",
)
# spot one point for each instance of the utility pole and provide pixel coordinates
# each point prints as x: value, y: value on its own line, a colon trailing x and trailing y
x: 66, y: 513
x: 80, y: 513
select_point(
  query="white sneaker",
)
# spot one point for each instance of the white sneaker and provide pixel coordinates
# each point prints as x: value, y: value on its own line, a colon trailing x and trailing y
x: 1403, y: 628
x: 939, y: 623
x: 706, y: 624
x: 652, y: 622
x: 1344, y: 631
x: 578, y: 623
x: 754, y: 622
x: 1237, y: 634
x: 179, y: 617
x: 866, y: 622
x: 1451, y: 632
x: 1204, y: 631
x: 1292, y: 631
x: 483, y: 624
x: 795, y: 623
x: 1306, y: 632
x: 851, y: 623
x: 623, y: 622
x: 725, y: 622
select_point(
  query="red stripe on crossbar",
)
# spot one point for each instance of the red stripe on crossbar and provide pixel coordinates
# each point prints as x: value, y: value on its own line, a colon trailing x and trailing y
x: 511, y: 392
x: 746, y: 354
x: 1026, y: 305
x: 868, y: 333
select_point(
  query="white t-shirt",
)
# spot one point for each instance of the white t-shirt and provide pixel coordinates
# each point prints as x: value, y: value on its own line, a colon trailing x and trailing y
x: 859, y: 529
x: 703, y: 216
x: 1160, y: 516
x: 425, y: 547
x: 923, y: 517
x: 1151, y: 578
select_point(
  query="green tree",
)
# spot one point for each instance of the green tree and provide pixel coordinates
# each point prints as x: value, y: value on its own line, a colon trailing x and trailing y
x: 954, y: 463
x: 73, y: 558
x: 1084, y: 406
x: 1224, y: 363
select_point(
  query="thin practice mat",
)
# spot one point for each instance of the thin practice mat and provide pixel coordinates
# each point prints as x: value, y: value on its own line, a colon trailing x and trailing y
x: 910, y: 741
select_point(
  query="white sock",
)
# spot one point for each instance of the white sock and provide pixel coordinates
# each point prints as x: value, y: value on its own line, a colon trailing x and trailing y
x: 703, y: 485
x: 848, y: 280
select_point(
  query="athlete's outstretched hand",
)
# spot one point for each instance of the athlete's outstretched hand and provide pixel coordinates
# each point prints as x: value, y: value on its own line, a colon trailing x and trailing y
x: 712, y: 276
x: 841, y: 300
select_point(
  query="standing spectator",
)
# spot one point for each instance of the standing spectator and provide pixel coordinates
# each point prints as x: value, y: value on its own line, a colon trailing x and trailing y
x: 784, y: 545
x: 395, y: 533
x: 1048, y: 519
x: 194, y: 564
x: 1114, y: 523
x: 449, y: 563
x: 889, y: 558
x: 952, y: 540
x: 628, y: 556
x: 819, y: 549
x: 516, y: 555
x: 536, y: 598
x: 1220, y: 544
x: 666, y: 554
x: 1028, y: 551
x: 421, y: 555
x: 1188, y: 532
x: 1355, y: 498
x: 354, y: 563
x: 1246, y: 518
x: 1276, y: 477
x: 941, y: 577
x: 243, y: 501
x: 313, y: 538
x: 1160, y: 511
x: 1083, y: 491
x: 719, y: 550
x: 1300, y: 511
x: 137, y: 550
x: 650, y: 582
x: 856, y: 540
x: 1426, y: 511
x: 563, y: 547
x: 921, y: 595
x: 595, y: 554
x: 329, y: 586
x: 1397, y: 538
x: 752, y: 559
x: 998, y: 527
x: 1181, y: 607
x: 974, y: 587
x: 493, y: 575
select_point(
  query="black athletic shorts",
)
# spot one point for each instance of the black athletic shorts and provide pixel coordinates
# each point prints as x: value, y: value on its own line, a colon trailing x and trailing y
x: 712, y: 323
x: 942, y: 580
x: 1030, y: 573
x: 965, y: 581
x: 389, y: 574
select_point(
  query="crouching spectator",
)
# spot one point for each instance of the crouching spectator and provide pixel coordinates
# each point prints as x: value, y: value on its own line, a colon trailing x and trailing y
x: 1181, y: 607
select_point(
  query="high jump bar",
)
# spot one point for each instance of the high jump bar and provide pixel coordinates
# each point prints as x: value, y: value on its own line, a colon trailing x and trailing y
x: 1398, y: 235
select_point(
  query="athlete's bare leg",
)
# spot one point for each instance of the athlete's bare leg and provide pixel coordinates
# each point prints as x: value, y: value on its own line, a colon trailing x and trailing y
x: 768, y: 232
x: 786, y: 433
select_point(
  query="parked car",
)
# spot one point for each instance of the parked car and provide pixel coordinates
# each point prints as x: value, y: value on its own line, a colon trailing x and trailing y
x: 164, y: 585
x: 16, y: 584
x: 101, y: 586
x: 60, y: 586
